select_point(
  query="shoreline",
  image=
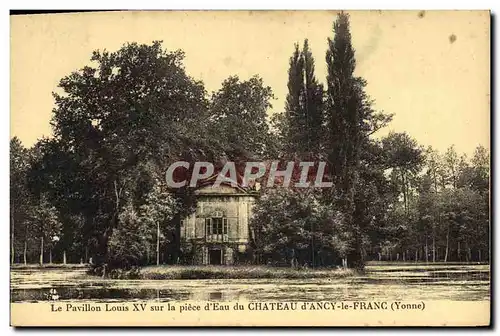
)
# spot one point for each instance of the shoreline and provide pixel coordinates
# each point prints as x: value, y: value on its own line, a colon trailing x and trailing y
x: 237, y: 272
x: 193, y: 272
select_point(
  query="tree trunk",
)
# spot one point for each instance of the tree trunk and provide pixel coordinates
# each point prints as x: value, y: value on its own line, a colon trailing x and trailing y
x: 459, y: 257
x: 405, y: 200
x: 433, y: 247
x: 416, y: 255
x: 41, y: 251
x: 86, y: 254
x: 25, y: 252
x: 12, y: 238
x: 50, y: 256
x: 158, y: 243
x: 479, y: 254
x: 426, y: 251
x: 64, y: 257
x: 447, y: 244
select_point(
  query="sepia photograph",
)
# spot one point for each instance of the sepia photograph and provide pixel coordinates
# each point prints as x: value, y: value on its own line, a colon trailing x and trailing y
x: 250, y: 168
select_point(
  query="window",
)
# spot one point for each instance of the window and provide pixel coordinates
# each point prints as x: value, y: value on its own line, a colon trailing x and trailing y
x: 217, y: 225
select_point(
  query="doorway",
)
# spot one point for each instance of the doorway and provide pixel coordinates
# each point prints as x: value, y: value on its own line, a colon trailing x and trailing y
x: 215, y: 257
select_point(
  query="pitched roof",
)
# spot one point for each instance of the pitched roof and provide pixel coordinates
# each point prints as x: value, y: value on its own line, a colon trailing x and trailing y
x: 227, y: 182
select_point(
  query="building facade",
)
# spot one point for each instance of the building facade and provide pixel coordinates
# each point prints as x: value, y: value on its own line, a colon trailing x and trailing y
x: 219, y: 228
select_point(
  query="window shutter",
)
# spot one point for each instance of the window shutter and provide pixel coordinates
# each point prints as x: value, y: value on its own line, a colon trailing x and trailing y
x: 208, y: 227
x: 225, y: 225
x: 199, y: 227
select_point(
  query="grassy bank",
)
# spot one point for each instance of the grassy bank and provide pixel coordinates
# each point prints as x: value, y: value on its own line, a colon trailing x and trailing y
x: 47, y: 266
x: 423, y: 263
x: 166, y: 272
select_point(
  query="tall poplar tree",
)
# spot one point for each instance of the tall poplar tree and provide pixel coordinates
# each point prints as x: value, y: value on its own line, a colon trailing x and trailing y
x: 344, y: 104
x: 313, y: 102
x: 19, y: 197
x: 350, y: 120
x: 303, y: 120
x: 295, y: 120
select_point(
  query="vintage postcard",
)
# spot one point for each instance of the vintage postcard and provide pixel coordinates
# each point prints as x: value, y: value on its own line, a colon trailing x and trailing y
x: 250, y: 168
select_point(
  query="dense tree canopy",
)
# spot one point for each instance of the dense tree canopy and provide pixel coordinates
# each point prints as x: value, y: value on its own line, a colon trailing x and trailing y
x: 238, y: 119
x: 96, y: 192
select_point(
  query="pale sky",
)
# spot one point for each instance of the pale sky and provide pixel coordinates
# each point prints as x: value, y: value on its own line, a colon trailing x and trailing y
x: 432, y: 69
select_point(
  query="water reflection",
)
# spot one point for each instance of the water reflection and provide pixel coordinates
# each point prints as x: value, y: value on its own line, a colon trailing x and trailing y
x: 107, y: 294
x: 214, y: 296
x: 450, y: 283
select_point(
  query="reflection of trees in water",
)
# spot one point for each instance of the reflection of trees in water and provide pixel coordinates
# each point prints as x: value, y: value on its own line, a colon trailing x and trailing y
x: 455, y: 282
x: 72, y: 293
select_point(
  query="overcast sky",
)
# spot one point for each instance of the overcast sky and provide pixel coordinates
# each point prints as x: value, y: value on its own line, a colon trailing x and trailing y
x: 431, y: 69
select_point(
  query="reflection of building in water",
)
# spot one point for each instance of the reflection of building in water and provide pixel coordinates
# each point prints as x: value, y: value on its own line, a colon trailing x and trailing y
x: 217, y: 233
x: 215, y: 296
x: 53, y: 294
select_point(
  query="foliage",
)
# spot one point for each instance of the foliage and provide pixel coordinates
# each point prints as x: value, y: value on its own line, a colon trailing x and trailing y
x: 155, y: 217
x: 120, y: 121
x: 237, y: 122
x: 127, y: 245
x: 20, y: 198
x: 44, y: 224
x: 301, y: 125
x: 350, y: 120
x: 292, y: 227
x: 448, y: 218
x: 238, y: 272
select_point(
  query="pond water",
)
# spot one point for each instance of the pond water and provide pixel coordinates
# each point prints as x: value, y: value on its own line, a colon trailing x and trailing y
x: 385, y: 282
